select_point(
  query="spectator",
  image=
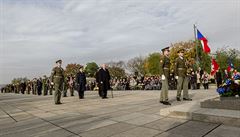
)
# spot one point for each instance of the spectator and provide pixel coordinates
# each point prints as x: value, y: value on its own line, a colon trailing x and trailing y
x: 218, y: 77
x: 205, y: 80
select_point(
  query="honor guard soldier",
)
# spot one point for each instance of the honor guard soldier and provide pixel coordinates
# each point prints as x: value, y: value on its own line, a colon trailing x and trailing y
x: 164, y: 73
x: 57, y: 79
x: 181, y: 76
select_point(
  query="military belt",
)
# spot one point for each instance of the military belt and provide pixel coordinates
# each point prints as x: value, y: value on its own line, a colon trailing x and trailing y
x: 181, y: 68
x: 58, y: 76
x: 166, y: 68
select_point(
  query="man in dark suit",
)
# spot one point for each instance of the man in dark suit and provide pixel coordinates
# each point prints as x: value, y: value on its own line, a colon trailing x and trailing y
x: 218, y: 78
x: 39, y: 86
x: 103, y: 78
x: 81, y: 83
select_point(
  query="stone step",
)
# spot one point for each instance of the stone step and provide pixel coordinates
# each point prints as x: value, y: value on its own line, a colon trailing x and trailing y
x: 224, y: 116
x: 193, y: 111
x: 230, y: 103
x: 183, y: 111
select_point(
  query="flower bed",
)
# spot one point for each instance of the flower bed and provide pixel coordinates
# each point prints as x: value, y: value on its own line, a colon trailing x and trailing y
x: 230, y: 88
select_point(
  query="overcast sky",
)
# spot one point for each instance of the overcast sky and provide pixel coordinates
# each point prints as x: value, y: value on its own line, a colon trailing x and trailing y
x: 35, y: 33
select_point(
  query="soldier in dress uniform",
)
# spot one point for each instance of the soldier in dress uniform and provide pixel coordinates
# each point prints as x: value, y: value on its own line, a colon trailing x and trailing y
x: 34, y: 86
x: 164, y: 73
x: 181, y: 76
x: 57, y: 79
x: 28, y: 86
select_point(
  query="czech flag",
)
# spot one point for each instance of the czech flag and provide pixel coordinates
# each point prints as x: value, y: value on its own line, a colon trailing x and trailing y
x: 230, y: 67
x: 204, y: 42
x: 214, y: 67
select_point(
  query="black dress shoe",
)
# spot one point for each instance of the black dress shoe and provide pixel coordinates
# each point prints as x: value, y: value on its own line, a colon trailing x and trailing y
x: 187, y: 99
x: 58, y: 103
x: 161, y: 101
x: 178, y: 99
x: 166, y: 103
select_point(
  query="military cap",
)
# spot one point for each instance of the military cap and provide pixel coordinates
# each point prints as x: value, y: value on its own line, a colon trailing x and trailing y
x: 180, y: 50
x: 80, y: 67
x: 166, y: 48
x: 59, y: 61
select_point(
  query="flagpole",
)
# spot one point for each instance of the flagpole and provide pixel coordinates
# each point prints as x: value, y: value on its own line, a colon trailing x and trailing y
x: 194, y: 27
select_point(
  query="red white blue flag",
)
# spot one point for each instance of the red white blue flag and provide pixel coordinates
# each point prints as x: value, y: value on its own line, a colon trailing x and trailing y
x: 214, y: 66
x: 230, y: 67
x: 204, y: 42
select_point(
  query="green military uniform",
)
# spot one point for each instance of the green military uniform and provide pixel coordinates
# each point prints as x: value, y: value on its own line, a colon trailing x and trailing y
x: 34, y: 86
x: 45, y: 86
x: 164, y: 73
x: 18, y: 88
x: 182, y: 81
x: 57, y: 77
x: 28, y: 87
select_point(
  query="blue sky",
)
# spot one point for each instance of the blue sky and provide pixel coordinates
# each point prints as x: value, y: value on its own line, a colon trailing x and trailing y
x: 35, y: 33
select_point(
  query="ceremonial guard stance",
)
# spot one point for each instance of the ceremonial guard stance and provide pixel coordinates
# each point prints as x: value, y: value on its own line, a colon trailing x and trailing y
x: 181, y: 76
x: 57, y: 79
x: 164, y: 73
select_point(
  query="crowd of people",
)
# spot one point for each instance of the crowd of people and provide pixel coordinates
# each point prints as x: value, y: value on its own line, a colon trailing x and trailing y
x: 196, y: 78
x: 42, y: 85
x: 102, y: 82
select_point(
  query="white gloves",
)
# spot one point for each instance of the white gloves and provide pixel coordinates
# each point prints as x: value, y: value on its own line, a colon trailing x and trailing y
x: 163, y: 77
x: 52, y: 83
x: 176, y: 77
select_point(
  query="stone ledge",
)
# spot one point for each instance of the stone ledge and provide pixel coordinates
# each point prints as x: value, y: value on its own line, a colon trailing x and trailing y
x: 193, y: 111
x: 227, y: 117
x: 229, y: 103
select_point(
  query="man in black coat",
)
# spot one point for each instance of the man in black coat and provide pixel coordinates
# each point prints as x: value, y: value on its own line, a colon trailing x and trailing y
x: 39, y: 86
x: 22, y: 87
x: 103, y: 78
x: 218, y: 78
x: 81, y: 83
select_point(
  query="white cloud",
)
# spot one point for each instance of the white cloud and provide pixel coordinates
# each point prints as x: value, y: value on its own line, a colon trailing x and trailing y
x: 35, y: 33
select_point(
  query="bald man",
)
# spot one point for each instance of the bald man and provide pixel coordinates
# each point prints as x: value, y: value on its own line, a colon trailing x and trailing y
x: 103, y: 78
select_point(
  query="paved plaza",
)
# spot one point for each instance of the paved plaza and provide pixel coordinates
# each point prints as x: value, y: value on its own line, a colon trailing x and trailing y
x: 128, y: 114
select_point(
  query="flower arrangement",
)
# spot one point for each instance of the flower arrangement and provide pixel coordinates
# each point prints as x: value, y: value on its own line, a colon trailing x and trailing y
x: 231, y: 87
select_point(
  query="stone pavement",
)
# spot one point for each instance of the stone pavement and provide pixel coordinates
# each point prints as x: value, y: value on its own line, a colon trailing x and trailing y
x: 128, y: 114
